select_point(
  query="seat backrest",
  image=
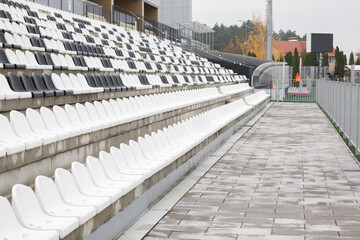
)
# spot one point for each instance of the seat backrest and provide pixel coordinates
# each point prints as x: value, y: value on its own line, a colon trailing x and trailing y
x: 95, y: 169
x: 12, y: 56
x: 39, y: 82
x: 28, y: 83
x: 31, y: 58
x: 81, y: 175
x: 83, y: 113
x: 65, y: 184
x: 3, y: 57
x: 35, y: 121
x: 15, y: 83
x: 8, y: 219
x: 61, y: 117
x: 73, y: 115
x: 25, y: 204
x: 48, y: 82
x: 7, y: 132
x: 4, y: 85
x: 46, y: 192
x: 20, y: 125
x: 119, y: 159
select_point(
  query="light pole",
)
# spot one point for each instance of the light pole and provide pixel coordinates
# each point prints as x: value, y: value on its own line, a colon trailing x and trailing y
x: 269, y: 30
x: 246, y: 33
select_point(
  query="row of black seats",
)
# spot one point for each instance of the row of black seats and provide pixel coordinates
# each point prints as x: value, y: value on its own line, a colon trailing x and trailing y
x: 39, y: 86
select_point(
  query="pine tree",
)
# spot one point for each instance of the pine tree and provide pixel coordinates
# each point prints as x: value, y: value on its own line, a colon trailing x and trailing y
x: 325, y: 60
x: 351, y: 60
x: 357, y: 61
x: 307, y: 60
x: 296, y: 63
x: 345, y: 59
x: 289, y: 59
x: 337, y: 60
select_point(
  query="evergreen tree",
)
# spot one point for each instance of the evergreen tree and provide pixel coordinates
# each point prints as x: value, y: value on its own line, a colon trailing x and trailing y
x: 342, y: 64
x: 351, y: 60
x: 345, y: 59
x: 337, y: 60
x: 357, y: 61
x: 307, y: 60
x: 313, y: 59
x: 325, y: 60
x: 296, y: 63
x: 289, y: 59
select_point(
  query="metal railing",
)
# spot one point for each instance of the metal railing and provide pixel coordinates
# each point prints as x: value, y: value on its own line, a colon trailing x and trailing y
x: 341, y: 102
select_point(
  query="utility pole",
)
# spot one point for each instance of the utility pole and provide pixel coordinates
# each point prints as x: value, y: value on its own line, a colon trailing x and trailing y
x: 269, y: 30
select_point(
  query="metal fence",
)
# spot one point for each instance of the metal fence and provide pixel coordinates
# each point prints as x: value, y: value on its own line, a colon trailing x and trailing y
x: 341, y: 102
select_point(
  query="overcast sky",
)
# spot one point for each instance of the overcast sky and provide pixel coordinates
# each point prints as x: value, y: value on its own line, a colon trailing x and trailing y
x: 340, y: 17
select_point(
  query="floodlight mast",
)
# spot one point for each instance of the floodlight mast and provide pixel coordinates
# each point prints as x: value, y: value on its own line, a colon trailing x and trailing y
x: 269, y: 30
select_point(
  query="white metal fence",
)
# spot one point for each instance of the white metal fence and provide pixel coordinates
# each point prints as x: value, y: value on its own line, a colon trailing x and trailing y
x: 341, y: 102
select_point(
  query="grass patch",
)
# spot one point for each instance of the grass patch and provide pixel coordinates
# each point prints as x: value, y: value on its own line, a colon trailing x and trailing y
x: 346, y: 140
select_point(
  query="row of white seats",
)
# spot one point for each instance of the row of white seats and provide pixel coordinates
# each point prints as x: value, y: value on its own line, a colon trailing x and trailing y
x: 58, y: 207
x: 233, y: 89
x: 44, y: 127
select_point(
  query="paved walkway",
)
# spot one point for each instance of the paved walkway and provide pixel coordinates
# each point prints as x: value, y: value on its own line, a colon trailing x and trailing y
x: 289, y: 177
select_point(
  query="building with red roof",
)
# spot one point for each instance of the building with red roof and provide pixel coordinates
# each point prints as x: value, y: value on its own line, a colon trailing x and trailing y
x: 290, y: 45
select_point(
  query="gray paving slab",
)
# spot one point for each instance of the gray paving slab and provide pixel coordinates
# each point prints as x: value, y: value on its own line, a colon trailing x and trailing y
x: 290, y: 176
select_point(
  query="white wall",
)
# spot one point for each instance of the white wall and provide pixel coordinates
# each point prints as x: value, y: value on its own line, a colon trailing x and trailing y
x: 173, y: 12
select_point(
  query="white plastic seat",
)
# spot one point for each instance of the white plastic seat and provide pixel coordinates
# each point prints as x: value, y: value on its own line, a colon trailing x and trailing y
x: 94, y: 115
x: 64, y: 122
x: 71, y: 195
x: 99, y: 177
x: 75, y: 120
x: 11, y: 141
x: 10, y: 228
x: 85, y: 117
x: 8, y: 93
x: 87, y: 186
x: 114, y: 173
x: 52, y: 124
x: 53, y: 205
x: 38, y: 126
x: 138, y: 163
x: 127, y: 167
x: 23, y: 130
x: 29, y: 213
x: 256, y: 98
x: 32, y: 60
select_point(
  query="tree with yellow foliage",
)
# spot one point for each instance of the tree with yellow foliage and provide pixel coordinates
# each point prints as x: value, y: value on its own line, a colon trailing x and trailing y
x: 256, y: 42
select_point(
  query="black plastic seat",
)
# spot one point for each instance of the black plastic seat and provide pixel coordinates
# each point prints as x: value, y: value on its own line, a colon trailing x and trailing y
x: 111, y: 83
x: 40, y: 85
x: 106, y: 84
x: 50, y: 62
x: 5, y: 61
x: 90, y: 80
x: 15, y: 83
x: 3, y: 41
x: 50, y: 85
x: 118, y: 82
x: 99, y: 83
x: 175, y: 80
x: 40, y: 59
x: 28, y: 84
